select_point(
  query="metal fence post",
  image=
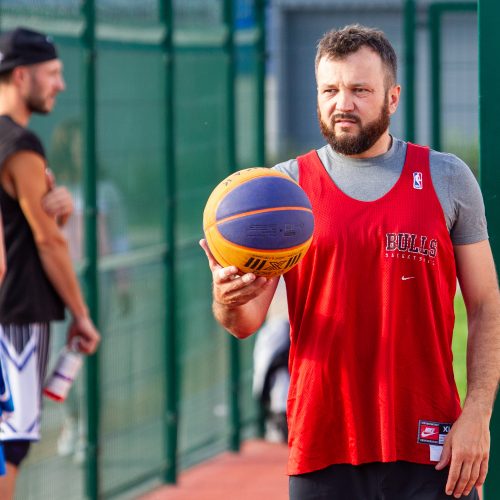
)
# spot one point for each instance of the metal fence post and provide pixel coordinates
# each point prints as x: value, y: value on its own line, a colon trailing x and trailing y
x: 234, y: 348
x: 435, y: 49
x: 91, y: 268
x: 489, y: 110
x: 260, y: 22
x: 260, y: 47
x: 410, y: 13
x: 171, y: 410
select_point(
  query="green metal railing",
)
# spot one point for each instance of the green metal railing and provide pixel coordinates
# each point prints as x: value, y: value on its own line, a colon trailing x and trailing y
x: 260, y: 76
x: 489, y: 109
x: 234, y: 346
x: 171, y: 326
x: 409, y: 31
x: 91, y: 252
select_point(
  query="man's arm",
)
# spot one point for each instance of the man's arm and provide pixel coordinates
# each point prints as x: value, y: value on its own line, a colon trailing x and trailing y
x: 23, y: 177
x: 467, y: 446
x: 240, y: 303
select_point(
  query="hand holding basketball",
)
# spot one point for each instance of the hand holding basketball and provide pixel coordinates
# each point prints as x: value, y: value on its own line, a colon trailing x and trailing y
x: 229, y: 287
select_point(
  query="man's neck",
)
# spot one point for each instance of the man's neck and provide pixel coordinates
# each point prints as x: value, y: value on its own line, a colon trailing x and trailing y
x: 12, y: 105
x: 20, y: 117
x: 382, y: 145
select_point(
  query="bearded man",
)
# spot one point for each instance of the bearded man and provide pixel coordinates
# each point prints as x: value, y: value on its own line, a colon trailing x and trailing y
x: 373, y: 409
x: 40, y: 281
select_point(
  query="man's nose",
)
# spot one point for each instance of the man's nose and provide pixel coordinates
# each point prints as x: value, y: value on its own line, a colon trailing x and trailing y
x: 344, y: 101
x: 61, y: 84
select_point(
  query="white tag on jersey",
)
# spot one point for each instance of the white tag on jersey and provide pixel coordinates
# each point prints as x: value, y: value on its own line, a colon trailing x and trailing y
x: 435, y: 452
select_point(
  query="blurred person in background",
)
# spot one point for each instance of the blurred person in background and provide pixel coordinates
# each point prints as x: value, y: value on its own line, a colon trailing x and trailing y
x: 40, y: 281
x: 271, y: 378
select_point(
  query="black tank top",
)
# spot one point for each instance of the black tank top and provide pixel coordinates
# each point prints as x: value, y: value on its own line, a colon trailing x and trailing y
x: 26, y: 294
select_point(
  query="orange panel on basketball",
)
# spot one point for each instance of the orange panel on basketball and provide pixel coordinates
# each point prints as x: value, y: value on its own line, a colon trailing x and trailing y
x: 258, y: 220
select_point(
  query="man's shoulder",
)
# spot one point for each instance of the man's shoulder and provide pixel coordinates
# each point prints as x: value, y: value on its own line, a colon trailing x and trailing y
x: 288, y: 167
x: 448, y: 166
x: 14, y: 136
x: 291, y: 167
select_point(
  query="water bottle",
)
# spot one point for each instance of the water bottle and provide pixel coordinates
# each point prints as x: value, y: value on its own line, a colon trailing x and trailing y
x: 61, y: 379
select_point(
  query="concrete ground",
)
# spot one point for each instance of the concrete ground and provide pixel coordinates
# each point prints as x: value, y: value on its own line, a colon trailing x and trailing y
x: 258, y: 472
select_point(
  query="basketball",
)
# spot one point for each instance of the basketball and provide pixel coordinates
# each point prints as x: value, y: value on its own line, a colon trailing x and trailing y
x: 258, y: 220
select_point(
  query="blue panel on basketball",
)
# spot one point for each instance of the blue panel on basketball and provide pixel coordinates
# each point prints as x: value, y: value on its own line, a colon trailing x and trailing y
x: 261, y: 193
x: 274, y: 230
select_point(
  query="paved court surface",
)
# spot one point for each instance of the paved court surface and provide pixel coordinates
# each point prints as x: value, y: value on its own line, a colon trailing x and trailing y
x: 256, y: 473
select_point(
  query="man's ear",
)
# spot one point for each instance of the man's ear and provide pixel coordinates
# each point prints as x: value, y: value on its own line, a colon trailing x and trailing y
x: 20, y: 76
x: 394, y: 93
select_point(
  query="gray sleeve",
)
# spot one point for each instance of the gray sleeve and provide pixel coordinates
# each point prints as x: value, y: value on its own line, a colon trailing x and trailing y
x: 460, y: 197
x: 290, y: 168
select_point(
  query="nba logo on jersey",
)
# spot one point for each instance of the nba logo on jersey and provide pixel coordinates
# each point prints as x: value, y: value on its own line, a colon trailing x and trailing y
x: 417, y: 180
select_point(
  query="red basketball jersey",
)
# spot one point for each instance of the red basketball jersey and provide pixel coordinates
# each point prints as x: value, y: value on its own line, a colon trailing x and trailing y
x: 371, y: 312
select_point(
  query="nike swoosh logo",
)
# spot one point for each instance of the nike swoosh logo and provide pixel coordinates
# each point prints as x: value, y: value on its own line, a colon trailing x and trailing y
x: 404, y: 278
x: 427, y: 433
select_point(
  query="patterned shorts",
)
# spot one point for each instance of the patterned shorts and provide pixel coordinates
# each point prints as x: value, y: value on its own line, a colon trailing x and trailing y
x: 25, y: 350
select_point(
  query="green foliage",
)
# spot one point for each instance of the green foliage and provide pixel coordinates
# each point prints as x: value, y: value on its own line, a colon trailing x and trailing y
x: 460, y: 346
x: 466, y: 150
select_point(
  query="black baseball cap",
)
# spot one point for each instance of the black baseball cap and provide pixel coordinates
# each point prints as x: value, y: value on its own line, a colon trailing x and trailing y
x: 22, y: 47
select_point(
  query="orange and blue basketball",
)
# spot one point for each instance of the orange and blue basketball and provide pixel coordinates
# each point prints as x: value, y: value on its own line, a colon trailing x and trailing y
x: 258, y: 220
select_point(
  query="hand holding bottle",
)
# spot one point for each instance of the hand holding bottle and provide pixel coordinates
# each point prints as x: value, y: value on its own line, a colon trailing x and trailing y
x: 68, y: 365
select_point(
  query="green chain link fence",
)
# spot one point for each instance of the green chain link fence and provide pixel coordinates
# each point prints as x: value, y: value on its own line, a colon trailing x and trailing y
x: 163, y: 100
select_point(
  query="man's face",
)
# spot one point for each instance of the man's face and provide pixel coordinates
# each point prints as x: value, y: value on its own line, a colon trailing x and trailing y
x: 44, y: 82
x: 354, y: 103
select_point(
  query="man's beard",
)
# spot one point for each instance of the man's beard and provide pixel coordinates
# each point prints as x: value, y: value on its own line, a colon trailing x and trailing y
x: 355, y: 144
x: 35, y: 101
x: 36, y: 104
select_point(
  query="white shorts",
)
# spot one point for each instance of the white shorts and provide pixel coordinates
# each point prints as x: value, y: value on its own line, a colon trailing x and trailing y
x: 25, y: 350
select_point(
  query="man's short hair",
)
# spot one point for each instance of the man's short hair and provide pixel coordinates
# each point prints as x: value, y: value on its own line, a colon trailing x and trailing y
x: 338, y: 44
x: 6, y: 77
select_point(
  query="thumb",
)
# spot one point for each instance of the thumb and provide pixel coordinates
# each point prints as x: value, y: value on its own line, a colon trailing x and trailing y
x: 211, y: 259
x: 51, y: 180
x: 445, y: 456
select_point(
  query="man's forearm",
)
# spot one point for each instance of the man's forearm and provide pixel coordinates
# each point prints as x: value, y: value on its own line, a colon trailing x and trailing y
x: 240, y: 321
x: 483, y: 355
x: 240, y: 304
x: 57, y: 264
